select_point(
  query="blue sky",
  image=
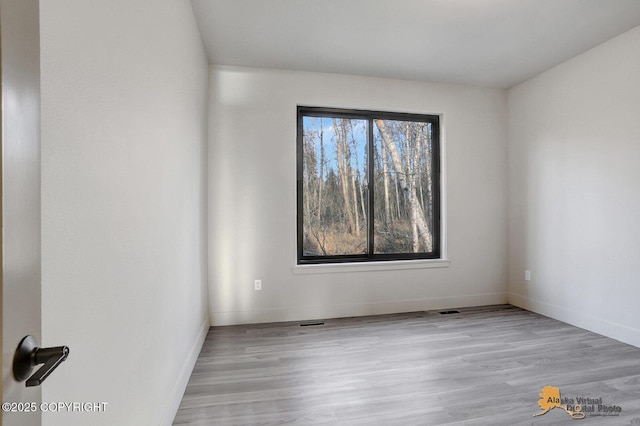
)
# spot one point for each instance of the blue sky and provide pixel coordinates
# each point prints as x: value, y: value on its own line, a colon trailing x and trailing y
x: 329, y: 138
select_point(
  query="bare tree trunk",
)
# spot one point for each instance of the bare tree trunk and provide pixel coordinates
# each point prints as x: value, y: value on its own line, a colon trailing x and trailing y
x: 420, y: 169
x: 396, y: 184
x: 351, y: 177
x: 424, y: 206
x: 415, y: 208
x: 306, y: 194
x: 346, y: 131
x: 385, y: 176
x: 343, y: 175
x: 362, y: 204
x: 321, y: 182
x: 410, y: 177
x: 356, y: 215
x: 415, y: 240
x: 357, y: 188
x: 307, y: 178
x: 429, y: 182
x: 413, y: 180
x: 309, y: 175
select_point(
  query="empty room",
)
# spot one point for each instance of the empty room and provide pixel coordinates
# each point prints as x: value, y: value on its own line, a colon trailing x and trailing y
x: 273, y: 212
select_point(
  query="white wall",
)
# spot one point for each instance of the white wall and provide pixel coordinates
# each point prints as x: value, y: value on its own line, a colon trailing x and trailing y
x: 252, y: 196
x: 574, y: 190
x: 124, y: 99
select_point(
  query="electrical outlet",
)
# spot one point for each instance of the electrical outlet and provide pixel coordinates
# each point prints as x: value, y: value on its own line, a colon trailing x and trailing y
x: 527, y: 275
x: 257, y: 284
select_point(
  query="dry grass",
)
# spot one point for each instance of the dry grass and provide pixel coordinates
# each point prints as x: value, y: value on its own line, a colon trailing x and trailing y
x: 394, y: 239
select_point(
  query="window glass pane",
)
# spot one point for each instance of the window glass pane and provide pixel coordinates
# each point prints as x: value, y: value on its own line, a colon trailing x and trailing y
x: 403, y: 187
x: 334, y: 189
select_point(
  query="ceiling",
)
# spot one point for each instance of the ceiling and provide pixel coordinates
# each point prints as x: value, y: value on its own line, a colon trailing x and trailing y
x: 495, y: 43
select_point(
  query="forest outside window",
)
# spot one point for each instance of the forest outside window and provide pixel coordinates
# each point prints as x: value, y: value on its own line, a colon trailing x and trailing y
x: 368, y: 186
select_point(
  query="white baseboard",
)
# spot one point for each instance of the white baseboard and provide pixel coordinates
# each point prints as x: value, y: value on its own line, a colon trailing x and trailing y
x: 579, y: 318
x: 310, y: 312
x: 183, y: 379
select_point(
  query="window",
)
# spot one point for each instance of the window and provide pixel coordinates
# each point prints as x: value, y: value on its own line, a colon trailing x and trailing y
x: 368, y: 186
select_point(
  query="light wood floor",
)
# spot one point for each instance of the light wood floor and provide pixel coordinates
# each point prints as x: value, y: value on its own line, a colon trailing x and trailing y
x: 482, y: 366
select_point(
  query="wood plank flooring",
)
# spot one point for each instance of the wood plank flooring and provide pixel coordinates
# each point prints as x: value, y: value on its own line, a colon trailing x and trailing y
x: 482, y: 366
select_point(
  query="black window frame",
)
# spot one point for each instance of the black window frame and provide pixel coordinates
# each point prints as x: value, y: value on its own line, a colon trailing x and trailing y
x: 369, y: 115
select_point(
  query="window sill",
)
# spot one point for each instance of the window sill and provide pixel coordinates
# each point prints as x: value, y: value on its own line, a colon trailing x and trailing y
x: 395, y: 265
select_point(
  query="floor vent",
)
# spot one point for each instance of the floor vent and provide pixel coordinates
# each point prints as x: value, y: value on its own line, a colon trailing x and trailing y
x: 311, y: 323
x: 449, y: 312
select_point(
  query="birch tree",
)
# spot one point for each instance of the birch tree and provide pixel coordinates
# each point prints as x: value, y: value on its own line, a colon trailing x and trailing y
x: 406, y: 182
